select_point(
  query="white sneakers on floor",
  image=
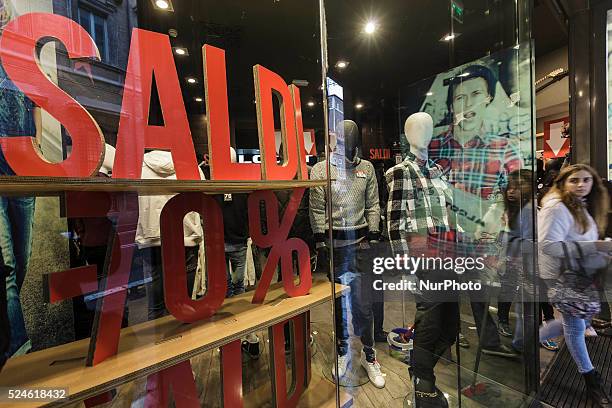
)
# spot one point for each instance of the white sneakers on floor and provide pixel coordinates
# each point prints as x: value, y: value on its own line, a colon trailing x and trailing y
x: 343, y: 362
x: 373, y: 370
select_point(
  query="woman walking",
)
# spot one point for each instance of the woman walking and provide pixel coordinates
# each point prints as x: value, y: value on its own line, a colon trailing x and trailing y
x: 573, y: 216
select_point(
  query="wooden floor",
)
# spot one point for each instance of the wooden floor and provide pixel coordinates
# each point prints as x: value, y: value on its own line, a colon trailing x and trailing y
x: 504, y: 377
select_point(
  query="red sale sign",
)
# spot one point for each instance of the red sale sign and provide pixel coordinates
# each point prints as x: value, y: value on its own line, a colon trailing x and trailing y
x: 556, y: 144
x: 150, y: 56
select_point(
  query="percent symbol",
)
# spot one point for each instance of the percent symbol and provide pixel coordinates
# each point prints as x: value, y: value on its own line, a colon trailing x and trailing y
x: 281, y: 248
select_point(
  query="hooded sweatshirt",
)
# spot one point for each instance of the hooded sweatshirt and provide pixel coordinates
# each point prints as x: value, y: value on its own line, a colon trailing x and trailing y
x: 158, y: 165
x: 556, y: 225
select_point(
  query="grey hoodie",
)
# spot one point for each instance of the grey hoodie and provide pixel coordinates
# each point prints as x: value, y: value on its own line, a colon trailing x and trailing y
x: 158, y: 165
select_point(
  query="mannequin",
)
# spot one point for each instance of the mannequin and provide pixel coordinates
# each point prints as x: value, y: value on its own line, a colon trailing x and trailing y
x: 418, y: 129
x: 426, y: 187
x: 18, y: 117
x: 348, y: 140
x: 417, y: 215
x: 355, y: 223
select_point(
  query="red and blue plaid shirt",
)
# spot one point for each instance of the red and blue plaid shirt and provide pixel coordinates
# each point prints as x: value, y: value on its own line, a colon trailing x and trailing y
x: 480, y: 167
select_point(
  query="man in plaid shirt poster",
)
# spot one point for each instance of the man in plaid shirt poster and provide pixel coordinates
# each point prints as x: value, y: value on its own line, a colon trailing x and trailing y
x: 476, y: 160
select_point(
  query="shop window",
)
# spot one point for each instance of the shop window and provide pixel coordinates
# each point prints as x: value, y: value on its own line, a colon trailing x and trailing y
x: 96, y: 26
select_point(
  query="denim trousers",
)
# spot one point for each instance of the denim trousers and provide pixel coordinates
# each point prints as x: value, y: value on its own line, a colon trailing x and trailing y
x: 16, y: 225
x: 351, y: 269
x: 235, y: 280
x: 152, y: 267
x: 572, y: 328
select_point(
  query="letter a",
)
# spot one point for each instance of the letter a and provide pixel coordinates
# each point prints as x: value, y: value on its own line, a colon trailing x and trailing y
x: 150, y: 54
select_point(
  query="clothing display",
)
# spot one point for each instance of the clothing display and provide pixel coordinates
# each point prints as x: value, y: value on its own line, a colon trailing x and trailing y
x: 356, y: 211
x: 235, y: 233
x: 16, y: 213
x: 418, y: 199
x: 355, y: 215
x: 158, y: 165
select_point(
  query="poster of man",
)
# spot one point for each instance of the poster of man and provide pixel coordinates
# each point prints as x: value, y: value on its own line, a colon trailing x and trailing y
x: 482, y: 117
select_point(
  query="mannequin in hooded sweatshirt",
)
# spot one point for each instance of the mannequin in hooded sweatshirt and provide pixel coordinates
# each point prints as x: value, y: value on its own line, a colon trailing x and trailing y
x: 416, y: 215
x: 94, y: 234
x: 355, y: 221
x: 158, y: 164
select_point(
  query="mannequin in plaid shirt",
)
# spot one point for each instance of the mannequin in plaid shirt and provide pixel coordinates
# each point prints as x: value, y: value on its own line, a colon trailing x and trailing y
x: 477, y: 161
x: 416, y: 212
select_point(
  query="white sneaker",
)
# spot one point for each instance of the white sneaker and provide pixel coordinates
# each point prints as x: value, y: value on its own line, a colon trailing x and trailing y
x: 373, y: 370
x: 342, y: 366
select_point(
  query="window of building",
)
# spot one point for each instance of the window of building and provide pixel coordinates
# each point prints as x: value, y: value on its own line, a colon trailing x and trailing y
x: 96, y: 26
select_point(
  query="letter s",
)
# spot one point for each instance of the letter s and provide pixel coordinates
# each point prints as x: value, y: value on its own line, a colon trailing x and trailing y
x: 20, y: 61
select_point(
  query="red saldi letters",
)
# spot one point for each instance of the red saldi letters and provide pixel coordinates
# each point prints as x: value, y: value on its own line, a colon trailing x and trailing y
x: 151, y: 56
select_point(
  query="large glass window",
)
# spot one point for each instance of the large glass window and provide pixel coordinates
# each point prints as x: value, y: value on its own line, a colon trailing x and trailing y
x: 264, y: 203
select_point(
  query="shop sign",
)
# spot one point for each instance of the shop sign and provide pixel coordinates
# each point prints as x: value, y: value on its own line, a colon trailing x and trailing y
x: 254, y: 156
x: 151, y: 56
x: 380, y: 154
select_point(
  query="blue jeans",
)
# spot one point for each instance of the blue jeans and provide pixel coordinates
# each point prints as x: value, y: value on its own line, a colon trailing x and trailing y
x: 350, y: 267
x: 572, y: 329
x: 153, y: 267
x: 16, y: 224
x: 235, y: 280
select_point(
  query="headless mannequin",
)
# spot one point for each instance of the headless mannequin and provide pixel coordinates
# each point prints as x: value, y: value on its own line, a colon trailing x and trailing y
x: 436, y: 322
x: 355, y: 219
x: 348, y: 141
x: 419, y: 131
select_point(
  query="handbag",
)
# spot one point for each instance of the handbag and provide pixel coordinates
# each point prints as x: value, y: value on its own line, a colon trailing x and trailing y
x: 574, y: 292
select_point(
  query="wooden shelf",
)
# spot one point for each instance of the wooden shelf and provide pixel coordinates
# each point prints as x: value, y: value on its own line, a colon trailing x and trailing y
x: 152, y: 346
x: 48, y: 186
x: 321, y: 393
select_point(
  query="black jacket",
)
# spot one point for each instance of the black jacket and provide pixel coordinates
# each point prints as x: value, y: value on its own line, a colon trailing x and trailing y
x: 235, y: 217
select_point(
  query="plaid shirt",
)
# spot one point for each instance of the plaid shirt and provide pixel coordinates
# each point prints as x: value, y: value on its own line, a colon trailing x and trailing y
x: 418, y: 195
x: 480, y: 167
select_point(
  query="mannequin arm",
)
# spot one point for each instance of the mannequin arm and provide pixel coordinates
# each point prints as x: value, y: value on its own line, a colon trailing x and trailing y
x: 396, y: 213
x: 372, y: 207
x: 317, y: 201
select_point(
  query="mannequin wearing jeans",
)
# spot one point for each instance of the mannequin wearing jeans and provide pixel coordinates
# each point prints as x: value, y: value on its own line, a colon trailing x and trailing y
x: 18, y: 117
x: 159, y: 165
x: 416, y: 210
x: 355, y: 226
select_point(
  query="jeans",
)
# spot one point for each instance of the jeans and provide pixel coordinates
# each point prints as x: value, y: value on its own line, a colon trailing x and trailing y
x: 235, y: 280
x: 152, y: 266
x: 16, y: 224
x: 572, y: 328
x: 5, y: 326
x: 350, y: 264
x: 435, y: 329
x: 491, y: 337
x: 519, y: 336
